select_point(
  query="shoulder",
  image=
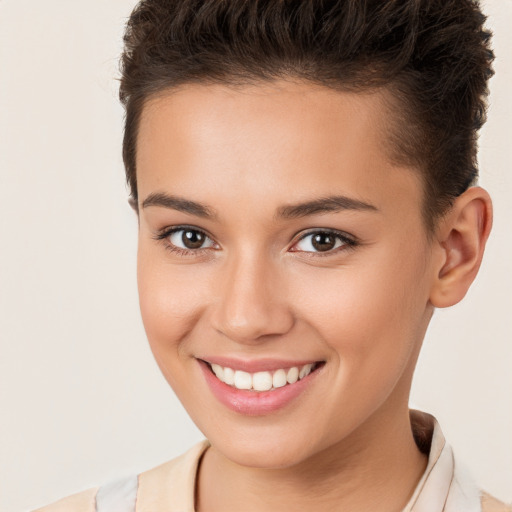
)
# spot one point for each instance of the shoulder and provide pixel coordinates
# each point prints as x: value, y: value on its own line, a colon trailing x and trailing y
x: 491, y: 504
x: 171, y: 482
x: 82, y: 502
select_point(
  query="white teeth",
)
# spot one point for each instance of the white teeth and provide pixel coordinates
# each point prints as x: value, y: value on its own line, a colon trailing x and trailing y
x: 243, y: 380
x: 261, y: 381
x: 293, y: 375
x: 279, y: 379
x: 305, y: 370
x: 229, y: 376
x: 218, y: 370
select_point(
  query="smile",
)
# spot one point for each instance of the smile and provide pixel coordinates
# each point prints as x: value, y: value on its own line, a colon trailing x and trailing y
x: 258, y: 387
x: 262, y: 381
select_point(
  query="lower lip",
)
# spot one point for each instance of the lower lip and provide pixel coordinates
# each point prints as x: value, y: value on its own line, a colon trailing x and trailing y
x: 254, y: 403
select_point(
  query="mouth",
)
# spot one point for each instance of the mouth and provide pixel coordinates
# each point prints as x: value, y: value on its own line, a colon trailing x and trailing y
x: 269, y: 387
x: 263, y: 380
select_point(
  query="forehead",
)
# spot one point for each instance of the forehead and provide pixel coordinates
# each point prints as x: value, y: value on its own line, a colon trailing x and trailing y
x: 297, y: 138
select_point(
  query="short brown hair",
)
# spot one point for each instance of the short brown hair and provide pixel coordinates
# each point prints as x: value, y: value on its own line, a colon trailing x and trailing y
x: 433, y: 56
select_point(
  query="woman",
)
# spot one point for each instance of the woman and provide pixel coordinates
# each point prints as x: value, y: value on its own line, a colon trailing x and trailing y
x: 304, y: 178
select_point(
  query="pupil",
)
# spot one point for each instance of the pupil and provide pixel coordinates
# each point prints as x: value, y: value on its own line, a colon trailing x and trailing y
x: 323, y: 242
x: 192, y: 239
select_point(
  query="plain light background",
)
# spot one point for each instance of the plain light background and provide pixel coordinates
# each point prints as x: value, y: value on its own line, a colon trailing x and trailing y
x: 81, y: 399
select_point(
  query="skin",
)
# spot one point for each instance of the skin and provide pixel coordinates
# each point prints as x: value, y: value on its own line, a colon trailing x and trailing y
x: 256, y: 289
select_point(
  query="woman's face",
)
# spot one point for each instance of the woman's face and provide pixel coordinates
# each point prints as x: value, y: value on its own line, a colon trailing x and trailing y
x: 276, y: 234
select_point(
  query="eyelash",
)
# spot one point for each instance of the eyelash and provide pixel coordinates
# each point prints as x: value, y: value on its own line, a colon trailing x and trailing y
x: 164, y: 234
x: 348, y: 242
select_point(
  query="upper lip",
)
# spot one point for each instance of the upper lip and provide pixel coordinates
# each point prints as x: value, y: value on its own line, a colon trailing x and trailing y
x: 256, y: 365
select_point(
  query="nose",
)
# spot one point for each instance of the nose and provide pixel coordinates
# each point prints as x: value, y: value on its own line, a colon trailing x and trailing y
x: 251, y: 300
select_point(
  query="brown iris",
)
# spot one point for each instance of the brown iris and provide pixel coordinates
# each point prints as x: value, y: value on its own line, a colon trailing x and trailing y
x: 323, y: 241
x: 192, y: 239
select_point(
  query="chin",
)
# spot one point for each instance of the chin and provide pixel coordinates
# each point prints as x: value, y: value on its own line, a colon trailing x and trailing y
x: 264, y: 457
x: 263, y: 447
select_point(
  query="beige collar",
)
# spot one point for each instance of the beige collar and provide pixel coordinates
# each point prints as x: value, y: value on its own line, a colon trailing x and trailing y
x: 445, y: 485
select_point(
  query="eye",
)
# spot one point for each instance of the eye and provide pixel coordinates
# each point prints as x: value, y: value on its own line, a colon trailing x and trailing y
x: 190, y: 239
x: 185, y: 239
x: 323, y: 241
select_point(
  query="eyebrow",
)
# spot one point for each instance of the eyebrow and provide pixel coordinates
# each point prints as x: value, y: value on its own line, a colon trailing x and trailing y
x: 315, y: 207
x: 324, y: 205
x: 178, y: 203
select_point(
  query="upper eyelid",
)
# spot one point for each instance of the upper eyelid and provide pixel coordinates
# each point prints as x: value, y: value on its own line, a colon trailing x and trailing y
x: 342, y: 234
x: 165, y: 232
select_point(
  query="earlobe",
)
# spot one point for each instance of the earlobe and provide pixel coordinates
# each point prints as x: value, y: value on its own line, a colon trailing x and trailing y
x: 134, y: 205
x: 460, y: 242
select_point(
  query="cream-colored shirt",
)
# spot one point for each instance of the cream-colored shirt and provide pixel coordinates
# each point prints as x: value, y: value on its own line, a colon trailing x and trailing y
x: 444, y: 487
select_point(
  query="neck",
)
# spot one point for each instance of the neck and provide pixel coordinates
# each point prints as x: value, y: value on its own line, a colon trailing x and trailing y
x: 376, y: 468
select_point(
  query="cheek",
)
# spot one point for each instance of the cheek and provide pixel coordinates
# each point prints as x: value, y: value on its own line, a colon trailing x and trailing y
x: 170, y: 299
x: 370, y: 313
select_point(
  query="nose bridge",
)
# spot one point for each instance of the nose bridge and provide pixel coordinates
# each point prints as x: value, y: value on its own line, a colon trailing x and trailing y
x: 251, y: 300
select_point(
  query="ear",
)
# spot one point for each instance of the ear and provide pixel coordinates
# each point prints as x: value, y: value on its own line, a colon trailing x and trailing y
x: 460, y: 242
x: 132, y: 201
